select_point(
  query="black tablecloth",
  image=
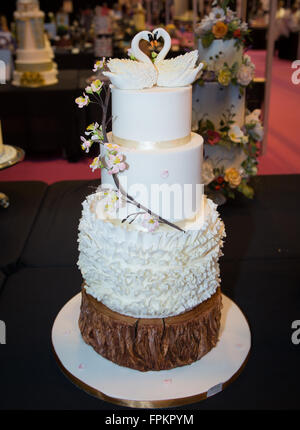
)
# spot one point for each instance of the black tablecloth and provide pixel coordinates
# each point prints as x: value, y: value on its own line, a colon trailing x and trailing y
x: 17, y: 220
x: 65, y: 59
x: 260, y: 272
x: 47, y: 120
x: 258, y: 37
x: 288, y: 47
x: 2, y: 279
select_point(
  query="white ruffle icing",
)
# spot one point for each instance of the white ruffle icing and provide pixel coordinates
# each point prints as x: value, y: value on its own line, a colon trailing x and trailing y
x: 149, y: 275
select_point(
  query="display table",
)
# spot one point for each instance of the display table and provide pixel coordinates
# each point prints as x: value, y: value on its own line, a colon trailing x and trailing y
x: 288, y: 47
x: 260, y: 272
x: 66, y: 59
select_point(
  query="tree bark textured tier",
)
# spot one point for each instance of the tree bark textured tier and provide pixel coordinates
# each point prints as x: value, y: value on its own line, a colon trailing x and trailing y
x: 151, y: 344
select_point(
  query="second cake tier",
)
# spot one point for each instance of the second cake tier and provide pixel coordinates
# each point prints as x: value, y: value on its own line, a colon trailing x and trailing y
x: 167, y: 181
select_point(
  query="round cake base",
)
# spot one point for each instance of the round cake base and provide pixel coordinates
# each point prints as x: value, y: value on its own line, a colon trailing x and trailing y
x: 151, y: 343
x: 11, y: 155
x: 167, y: 388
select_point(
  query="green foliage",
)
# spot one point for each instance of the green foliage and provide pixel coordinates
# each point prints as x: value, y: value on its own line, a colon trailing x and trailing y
x: 245, y: 189
x: 207, y: 40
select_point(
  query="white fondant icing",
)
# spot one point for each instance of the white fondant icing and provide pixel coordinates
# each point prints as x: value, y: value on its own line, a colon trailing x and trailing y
x: 174, y: 196
x: 33, y: 56
x: 157, y: 274
x: 153, y: 114
x: 213, y: 100
x: 224, y: 49
x: 35, y: 13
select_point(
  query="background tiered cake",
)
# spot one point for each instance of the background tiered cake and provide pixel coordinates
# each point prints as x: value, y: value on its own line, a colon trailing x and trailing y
x: 231, y: 133
x: 34, y: 64
x: 149, y: 240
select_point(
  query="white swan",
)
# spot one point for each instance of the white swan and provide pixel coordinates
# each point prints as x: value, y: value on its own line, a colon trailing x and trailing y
x: 175, y: 72
x: 130, y: 74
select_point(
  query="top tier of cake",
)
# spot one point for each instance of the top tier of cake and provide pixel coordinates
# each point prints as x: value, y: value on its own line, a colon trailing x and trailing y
x: 219, y: 53
x: 221, y: 38
x: 151, y: 116
x: 28, y: 9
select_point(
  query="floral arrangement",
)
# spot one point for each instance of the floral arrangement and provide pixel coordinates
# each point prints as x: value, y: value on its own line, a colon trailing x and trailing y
x: 114, y: 160
x: 237, y: 75
x: 218, y: 175
x: 222, y: 23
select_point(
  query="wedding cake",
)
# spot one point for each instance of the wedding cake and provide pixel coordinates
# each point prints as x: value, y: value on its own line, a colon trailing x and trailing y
x: 149, y: 240
x: 34, y: 66
x: 231, y: 133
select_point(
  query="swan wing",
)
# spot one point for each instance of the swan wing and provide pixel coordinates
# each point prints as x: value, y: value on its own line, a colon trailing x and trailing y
x: 178, y: 71
x: 187, y: 60
x: 129, y: 74
x: 188, y: 77
x: 182, y: 62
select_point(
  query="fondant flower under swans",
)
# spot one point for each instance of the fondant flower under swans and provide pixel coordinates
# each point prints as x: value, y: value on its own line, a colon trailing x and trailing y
x: 131, y: 74
x: 175, y: 72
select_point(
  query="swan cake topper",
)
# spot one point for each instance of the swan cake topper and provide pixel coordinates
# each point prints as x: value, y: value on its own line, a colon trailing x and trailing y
x: 144, y: 73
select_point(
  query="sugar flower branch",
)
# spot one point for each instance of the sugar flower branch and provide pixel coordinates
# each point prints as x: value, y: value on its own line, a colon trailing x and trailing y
x: 113, y: 159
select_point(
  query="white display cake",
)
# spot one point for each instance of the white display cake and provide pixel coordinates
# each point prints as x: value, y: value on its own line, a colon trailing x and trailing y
x: 34, y: 64
x: 231, y: 133
x: 149, y: 240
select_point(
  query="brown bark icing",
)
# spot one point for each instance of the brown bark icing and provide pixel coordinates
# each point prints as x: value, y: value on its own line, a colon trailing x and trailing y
x: 151, y: 344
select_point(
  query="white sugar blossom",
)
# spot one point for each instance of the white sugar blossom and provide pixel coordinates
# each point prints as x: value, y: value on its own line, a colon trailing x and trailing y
x: 247, y: 61
x: 86, y: 144
x: 236, y: 134
x: 96, y: 164
x: 257, y: 130
x: 204, y: 26
x: 245, y: 74
x: 107, y: 204
x: 82, y: 101
x: 230, y: 14
x: 244, y: 26
x: 99, y: 65
x: 130, y: 53
x: 149, y: 222
x: 217, y: 14
x: 92, y: 128
x: 253, y: 117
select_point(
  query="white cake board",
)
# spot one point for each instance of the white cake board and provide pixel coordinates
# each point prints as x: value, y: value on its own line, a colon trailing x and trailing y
x: 10, y: 156
x: 182, y: 385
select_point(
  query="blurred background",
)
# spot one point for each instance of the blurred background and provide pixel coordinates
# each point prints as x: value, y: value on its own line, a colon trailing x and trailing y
x: 46, y: 123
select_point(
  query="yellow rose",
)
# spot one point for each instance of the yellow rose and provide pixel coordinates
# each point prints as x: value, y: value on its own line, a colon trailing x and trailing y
x: 219, y: 29
x: 224, y: 77
x: 233, y: 177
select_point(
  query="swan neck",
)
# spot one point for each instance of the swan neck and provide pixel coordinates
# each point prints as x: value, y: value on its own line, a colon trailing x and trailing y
x: 166, y: 48
x: 137, y: 52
